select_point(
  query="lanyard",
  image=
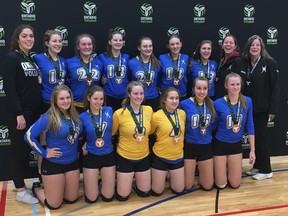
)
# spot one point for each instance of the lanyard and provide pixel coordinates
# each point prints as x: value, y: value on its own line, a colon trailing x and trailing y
x: 249, y: 72
x: 206, y: 72
x: 176, y: 125
x: 87, y: 70
x: 139, y: 124
x: 176, y: 70
x: 117, y: 68
x: 235, y: 119
x: 146, y: 73
x: 203, y: 116
x: 97, y: 125
x: 58, y: 70
x: 71, y: 126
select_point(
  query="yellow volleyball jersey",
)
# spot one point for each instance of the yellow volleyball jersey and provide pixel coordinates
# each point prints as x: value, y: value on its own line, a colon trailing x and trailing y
x: 128, y: 146
x: 165, y: 145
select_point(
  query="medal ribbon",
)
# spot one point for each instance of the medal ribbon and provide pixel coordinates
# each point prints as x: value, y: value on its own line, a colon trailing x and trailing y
x: 206, y: 72
x: 203, y: 116
x: 235, y: 119
x: 176, y: 125
x: 249, y: 72
x: 30, y: 60
x: 87, y: 70
x: 117, y: 68
x: 97, y: 125
x: 146, y: 73
x: 58, y: 70
x: 71, y: 125
x: 139, y: 124
x: 176, y: 70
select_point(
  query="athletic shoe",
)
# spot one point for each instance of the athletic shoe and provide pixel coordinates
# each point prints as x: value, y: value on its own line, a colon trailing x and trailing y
x: 252, y: 172
x: 25, y: 197
x: 262, y: 176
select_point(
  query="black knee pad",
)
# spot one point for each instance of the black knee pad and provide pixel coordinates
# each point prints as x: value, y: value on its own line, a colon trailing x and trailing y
x: 220, y: 188
x: 153, y: 193
x: 141, y: 193
x: 69, y: 201
x: 49, y: 206
x: 88, y: 200
x: 174, y: 192
x: 120, y: 198
x: 229, y: 185
x: 206, y: 189
x: 106, y: 199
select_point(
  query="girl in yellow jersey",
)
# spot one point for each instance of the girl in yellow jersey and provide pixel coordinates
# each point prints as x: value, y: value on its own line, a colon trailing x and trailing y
x: 168, y: 124
x: 133, y: 122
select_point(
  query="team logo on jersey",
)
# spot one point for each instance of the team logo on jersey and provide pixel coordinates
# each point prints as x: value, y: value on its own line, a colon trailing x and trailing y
x: 245, y: 141
x: 173, y: 31
x: 272, y: 33
x: 122, y: 31
x: 90, y: 9
x: 2, y: 34
x: 249, y: 11
x: 4, y: 136
x: 28, y: 7
x: 146, y: 12
x: 64, y: 34
x: 2, y: 92
x: 199, y: 12
x: 222, y: 33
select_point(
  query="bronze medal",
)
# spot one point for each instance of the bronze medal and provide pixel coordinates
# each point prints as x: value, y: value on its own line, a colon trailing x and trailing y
x: 118, y: 80
x: 60, y: 81
x: 89, y: 81
x: 176, y: 81
x: 148, y: 82
x: 235, y: 128
x: 176, y: 138
x: 71, y: 139
x: 202, y: 131
x: 139, y: 137
x: 99, y: 142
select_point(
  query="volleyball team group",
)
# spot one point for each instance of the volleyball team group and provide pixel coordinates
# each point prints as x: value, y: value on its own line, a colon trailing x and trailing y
x: 135, y: 123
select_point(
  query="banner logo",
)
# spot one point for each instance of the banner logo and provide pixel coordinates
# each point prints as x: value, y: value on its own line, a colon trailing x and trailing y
x: 199, y: 12
x: 122, y: 31
x: 146, y: 12
x: 2, y: 34
x: 90, y: 9
x: 2, y: 92
x: 223, y: 31
x: 249, y: 11
x: 4, y: 136
x: 172, y: 31
x: 64, y: 34
x: 272, y: 33
x: 245, y: 141
x: 28, y: 7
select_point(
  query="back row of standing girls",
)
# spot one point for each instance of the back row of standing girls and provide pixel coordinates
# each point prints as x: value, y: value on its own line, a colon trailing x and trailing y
x: 110, y: 70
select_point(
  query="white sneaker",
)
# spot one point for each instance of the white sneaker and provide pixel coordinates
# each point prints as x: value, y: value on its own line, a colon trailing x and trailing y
x: 25, y: 197
x: 262, y: 176
x: 252, y: 172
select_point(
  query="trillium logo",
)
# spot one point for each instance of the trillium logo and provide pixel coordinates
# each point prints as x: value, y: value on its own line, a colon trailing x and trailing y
x: 199, y: 11
x: 249, y: 11
x: 172, y: 31
x: 4, y: 136
x: 64, y: 34
x: 222, y: 33
x: 146, y: 12
x: 272, y: 33
x: 2, y: 34
x: 122, y: 31
x: 90, y: 9
x: 28, y: 7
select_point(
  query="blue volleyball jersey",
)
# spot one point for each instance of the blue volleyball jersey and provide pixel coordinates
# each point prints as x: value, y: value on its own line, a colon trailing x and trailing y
x: 166, y: 73
x: 115, y: 86
x: 197, y: 71
x: 90, y: 134
x: 77, y: 76
x: 136, y: 73
x: 49, y: 76
x: 225, y: 124
x: 193, y: 133
x: 58, y: 139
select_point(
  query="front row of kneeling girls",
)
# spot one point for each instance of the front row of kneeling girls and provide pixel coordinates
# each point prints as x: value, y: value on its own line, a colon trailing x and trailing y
x: 194, y: 123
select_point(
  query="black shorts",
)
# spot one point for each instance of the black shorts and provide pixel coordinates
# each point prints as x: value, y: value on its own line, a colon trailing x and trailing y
x: 199, y: 152
x: 92, y: 161
x: 50, y: 168
x: 125, y: 165
x: 222, y: 148
x: 159, y: 164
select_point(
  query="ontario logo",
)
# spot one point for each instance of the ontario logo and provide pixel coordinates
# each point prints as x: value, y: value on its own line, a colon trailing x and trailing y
x: 4, y: 136
x: 2, y: 34
x: 28, y: 9
x: 245, y: 141
x: 272, y: 33
x: 33, y: 159
x: 199, y: 12
x: 222, y: 33
x: 90, y: 9
x: 2, y: 92
x: 146, y: 12
x: 249, y: 11
x: 64, y: 34
x: 122, y: 31
x: 173, y: 31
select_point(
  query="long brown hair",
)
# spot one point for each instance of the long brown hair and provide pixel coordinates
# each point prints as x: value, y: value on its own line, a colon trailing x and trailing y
x: 77, y: 42
x: 111, y: 33
x: 154, y: 60
x: 47, y: 36
x: 88, y: 94
x: 14, y: 45
x: 165, y: 95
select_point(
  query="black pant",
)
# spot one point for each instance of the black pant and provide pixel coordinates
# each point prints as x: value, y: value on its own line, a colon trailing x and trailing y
x: 261, y: 146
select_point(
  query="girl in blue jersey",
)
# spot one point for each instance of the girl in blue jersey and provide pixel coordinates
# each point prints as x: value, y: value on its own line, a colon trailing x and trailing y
x: 114, y: 77
x: 202, y: 65
x: 174, y: 67
x: 84, y: 69
x: 200, y: 118
x: 145, y: 68
x: 98, y: 156
x: 168, y: 124
x: 59, y: 168
x: 133, y: 122
x: 235, y: 115
x: 52, y: 66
